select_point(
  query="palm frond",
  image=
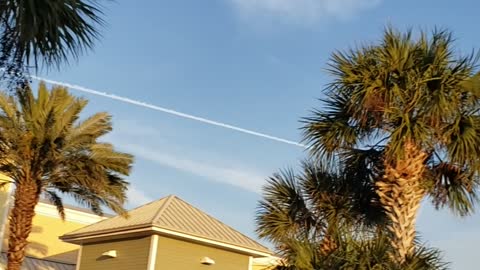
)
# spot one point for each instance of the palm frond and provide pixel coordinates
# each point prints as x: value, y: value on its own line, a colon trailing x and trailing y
x: 329, y: 131
x: 88, y: 130
x: 283, y: 212
x: 36, y: 32
x: 452, y: 187
x: 314, y: 203
x: 462, y: 138
x: 358, y: 253
x: 56, y: 200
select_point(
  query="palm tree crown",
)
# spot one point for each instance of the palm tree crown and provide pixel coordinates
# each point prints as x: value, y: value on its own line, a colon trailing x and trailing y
x: 405, y: 90
x: 36, y: 31
x: 315, y: 205
x: 46, y: 150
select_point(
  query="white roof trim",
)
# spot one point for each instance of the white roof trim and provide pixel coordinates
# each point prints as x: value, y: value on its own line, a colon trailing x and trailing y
x: 267, y: 261
x: 161, y: 231
x: 211, y: 242
x: 71, y: 215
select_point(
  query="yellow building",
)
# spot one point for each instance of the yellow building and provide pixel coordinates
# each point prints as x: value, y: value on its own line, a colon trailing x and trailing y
x: 266, y: 263
x: 5, y: 187
x: 165, y: 234
x: 44, y: 243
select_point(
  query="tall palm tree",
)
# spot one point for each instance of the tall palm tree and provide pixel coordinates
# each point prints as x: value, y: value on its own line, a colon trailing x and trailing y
x: 315, y: 205
x: 46, y: 150
x: 45, y: 31
x: 409, y: 108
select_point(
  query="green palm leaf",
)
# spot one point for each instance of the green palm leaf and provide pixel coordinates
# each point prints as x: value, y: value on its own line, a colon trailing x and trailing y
x: 34, y: 32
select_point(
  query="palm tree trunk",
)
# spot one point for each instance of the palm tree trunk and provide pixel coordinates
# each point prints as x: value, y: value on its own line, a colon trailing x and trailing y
x: 401, y: 193
x: 21, y: 217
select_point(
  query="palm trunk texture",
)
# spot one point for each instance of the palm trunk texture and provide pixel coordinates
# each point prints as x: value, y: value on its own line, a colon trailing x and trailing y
x: 21, y: 217
x: 400, y: 193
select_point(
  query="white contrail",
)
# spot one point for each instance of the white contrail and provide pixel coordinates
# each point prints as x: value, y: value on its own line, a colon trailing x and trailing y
x: 169, y: 111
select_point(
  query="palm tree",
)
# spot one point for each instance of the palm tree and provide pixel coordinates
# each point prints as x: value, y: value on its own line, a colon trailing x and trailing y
x: 324, y: 219
x: 359, y: 253
x: 316, y: 205
x: 45, y: 150
x: 45, y: 31
x: 408, y: 109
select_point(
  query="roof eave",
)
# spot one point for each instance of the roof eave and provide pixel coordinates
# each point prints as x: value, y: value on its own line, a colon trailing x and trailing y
x: 251, y: 251
x: 80, y: 238
x: 143, y: 230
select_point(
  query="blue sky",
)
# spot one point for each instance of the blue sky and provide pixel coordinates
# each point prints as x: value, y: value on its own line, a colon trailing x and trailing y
x: 257, y: 64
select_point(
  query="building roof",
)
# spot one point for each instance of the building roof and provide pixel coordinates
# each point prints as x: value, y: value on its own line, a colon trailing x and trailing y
x: 31, y: 263
x: 172, y: 215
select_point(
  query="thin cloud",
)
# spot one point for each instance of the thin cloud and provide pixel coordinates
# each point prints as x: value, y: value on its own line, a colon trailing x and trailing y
x: 137, y: 197
x: 238, y: 177
x: 136, y: 128
x: 302, y: 11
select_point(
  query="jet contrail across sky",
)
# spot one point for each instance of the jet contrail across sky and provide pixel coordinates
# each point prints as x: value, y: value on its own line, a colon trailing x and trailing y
x: 169, y: 111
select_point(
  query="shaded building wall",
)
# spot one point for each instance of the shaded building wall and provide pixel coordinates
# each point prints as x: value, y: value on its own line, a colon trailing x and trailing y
x: 173, y: 254
x: 131, y: 254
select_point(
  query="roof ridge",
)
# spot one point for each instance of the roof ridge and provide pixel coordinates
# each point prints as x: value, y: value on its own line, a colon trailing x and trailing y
x: 107, y: 219
x: 222, y: 223
x: 165, y: 205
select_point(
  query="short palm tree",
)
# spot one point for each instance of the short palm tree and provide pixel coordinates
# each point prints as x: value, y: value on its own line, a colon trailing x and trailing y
x: 408, y: 108
x: 315, y: 205
x: 358, y: 253
x: 46, y: 31
x: 324, y: 219
x: 46, y: 150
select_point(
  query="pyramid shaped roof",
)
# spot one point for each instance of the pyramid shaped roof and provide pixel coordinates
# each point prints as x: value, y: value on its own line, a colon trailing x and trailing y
x: 171, y: 215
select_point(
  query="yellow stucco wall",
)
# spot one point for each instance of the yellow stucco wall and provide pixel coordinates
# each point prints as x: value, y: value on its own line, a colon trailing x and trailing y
x: 175, y: 254
x: 44, y: 239
x: 44, y: 242
x: 262, y: 267
x: 131, y: 254
x: 4, y: 200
